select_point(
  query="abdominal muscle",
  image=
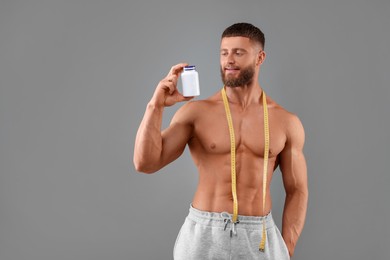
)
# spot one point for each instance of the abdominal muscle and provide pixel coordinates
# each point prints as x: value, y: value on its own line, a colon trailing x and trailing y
x: 214, y: 191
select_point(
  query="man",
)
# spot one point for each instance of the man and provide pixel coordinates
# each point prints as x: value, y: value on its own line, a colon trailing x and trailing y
x: 235, y: 159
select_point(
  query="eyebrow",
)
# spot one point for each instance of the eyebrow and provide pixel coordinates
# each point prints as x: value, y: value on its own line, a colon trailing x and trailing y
x: 235, y: 49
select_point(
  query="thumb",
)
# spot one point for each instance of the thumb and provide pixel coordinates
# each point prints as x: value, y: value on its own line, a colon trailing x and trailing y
x: 183, y: 98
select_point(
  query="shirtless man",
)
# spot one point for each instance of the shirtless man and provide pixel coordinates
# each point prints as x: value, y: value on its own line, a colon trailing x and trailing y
x: 203, y: 126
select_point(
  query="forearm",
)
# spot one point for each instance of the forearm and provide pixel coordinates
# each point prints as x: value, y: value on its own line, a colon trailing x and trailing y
x: 148, y: 142
x: 294, y: 215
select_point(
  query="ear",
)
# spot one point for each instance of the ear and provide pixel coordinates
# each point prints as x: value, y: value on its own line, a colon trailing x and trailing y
x: 260, y: 57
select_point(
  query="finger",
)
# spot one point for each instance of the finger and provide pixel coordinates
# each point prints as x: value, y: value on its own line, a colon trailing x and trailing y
x: 170, y: 87
x: 167, y: 86
x: 172, y: 78
x: 177, y: 68
x: 183, y: 98
x: 188, y: 98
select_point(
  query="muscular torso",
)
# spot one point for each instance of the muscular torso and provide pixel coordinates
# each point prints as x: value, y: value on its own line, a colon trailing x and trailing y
x: 210, y: 150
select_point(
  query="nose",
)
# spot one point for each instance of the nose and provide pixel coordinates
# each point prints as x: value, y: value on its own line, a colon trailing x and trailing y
x: 230, y: 58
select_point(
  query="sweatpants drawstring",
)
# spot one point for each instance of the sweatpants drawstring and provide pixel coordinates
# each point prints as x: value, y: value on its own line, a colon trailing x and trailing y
x: 228, y: 219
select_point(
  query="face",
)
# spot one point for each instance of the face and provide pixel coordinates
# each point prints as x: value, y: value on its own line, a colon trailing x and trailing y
x: 238, y: 61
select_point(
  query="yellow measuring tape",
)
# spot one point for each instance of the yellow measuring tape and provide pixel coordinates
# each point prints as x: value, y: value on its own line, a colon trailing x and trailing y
x: 233, y: 160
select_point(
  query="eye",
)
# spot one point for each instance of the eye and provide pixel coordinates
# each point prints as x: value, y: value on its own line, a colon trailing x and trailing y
x: 239, y: 53
x: 224, y: 53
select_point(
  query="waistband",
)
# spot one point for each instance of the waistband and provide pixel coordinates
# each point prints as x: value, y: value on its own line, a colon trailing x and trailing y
x: 221, y: 219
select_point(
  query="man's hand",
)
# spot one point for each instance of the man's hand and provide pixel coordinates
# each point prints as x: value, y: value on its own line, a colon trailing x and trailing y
x: 166, y: 93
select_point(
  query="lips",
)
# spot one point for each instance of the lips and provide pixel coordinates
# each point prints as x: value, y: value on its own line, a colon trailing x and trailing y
x: 232, y: 70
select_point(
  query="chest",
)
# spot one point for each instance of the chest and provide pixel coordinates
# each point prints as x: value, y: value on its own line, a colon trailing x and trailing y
x: 213, y: 135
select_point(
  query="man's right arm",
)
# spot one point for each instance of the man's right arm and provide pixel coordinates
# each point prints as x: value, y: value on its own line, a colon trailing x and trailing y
x: 153, y: 149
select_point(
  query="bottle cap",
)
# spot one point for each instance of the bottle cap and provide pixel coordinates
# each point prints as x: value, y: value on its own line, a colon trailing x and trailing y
x: 187, y: 68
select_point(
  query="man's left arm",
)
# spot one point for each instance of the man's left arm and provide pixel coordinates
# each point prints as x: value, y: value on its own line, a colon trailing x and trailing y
x: 294, y: 173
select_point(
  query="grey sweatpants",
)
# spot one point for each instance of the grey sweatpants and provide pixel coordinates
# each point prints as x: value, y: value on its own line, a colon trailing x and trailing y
x: 211, y: 235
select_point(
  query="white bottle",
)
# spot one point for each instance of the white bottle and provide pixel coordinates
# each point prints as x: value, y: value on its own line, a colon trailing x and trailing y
x: 190, y: 81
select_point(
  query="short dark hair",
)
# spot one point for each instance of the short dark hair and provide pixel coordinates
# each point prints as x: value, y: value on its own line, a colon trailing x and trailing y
x: 245, y: 30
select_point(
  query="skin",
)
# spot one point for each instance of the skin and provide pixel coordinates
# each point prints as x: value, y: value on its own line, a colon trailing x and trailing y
x: 202, y: 125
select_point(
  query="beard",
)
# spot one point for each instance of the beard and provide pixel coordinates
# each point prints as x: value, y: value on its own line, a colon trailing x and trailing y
x: 245, y: 77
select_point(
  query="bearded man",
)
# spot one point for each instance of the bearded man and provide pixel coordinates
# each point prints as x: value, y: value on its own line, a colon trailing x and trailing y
x: 237, y: 138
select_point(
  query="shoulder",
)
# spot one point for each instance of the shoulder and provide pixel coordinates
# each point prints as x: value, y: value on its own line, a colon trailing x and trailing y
x: 191, y: 110
x: 198, y: 107
x: 295, y: 130
x: 290, y: 121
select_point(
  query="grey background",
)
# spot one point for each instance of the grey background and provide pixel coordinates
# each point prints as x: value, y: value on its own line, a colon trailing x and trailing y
x: 75, y: 77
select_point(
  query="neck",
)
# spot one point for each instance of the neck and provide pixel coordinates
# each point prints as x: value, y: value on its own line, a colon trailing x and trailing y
x: 244, y: 96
